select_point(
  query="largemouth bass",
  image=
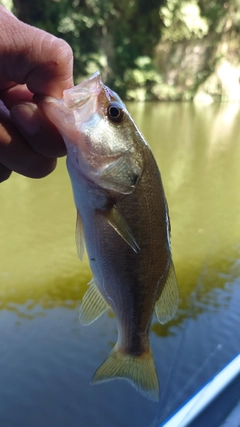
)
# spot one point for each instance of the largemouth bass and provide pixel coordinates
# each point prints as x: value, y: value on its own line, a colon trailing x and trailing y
x: 122, y: 216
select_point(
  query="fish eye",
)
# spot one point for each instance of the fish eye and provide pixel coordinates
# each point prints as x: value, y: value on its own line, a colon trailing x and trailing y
x: 115, y: 112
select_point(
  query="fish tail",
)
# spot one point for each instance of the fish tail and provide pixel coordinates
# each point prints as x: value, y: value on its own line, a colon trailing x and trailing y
x: 139, y: 370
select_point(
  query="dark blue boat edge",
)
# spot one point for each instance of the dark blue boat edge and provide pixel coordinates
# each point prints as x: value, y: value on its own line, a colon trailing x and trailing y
x: 225, y: 390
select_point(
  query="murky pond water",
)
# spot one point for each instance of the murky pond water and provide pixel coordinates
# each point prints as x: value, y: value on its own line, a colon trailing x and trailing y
x: 46, y: 357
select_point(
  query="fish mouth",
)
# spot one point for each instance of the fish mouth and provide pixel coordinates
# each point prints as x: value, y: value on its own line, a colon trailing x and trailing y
x: 79, y: 95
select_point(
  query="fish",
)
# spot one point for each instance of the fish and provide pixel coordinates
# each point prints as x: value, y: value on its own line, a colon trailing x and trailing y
x: 123, y: 221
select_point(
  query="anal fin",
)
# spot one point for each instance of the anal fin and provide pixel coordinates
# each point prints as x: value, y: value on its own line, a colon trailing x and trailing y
x: 167, y: 304
x: 118, y: 222
x: 93, y: 305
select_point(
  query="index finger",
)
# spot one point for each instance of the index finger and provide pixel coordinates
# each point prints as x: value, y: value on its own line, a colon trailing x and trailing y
x: 32, y: 56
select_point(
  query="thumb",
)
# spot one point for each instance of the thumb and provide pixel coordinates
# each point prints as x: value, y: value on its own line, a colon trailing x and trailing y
x: 37, y: 130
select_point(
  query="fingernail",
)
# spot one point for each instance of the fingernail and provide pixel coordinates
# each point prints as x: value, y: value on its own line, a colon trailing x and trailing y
x: 26, y: 117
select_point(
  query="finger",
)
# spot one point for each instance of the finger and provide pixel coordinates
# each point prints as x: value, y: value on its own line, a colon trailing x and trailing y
x: 4, y: 173
x: 15, y: 94
x: 32, y: 56
x: 40, y: 133
x: 17, y: 155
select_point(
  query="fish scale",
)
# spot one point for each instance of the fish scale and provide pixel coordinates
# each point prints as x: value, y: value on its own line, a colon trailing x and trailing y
x: 122, y: 216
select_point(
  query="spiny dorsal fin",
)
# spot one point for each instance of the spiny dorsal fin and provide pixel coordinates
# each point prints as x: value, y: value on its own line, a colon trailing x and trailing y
x: 93, y: 305
x: 79, y: 237
x: 117, y: 221
x: 167, y: 304
x: 139, y: 370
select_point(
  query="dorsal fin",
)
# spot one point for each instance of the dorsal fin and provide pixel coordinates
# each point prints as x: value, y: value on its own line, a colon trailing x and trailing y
x: 167, y: 304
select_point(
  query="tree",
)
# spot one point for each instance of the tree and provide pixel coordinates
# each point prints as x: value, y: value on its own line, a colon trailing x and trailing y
x: 108, y: 35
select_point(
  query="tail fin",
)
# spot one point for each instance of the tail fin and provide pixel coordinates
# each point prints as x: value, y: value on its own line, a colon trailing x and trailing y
x: 139, y: 370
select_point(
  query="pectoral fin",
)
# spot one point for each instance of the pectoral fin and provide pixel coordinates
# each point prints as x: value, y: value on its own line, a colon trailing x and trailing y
x: 93, y: 305
x: 118, y: 222
x: 167, y: 304
x: 79, y: 237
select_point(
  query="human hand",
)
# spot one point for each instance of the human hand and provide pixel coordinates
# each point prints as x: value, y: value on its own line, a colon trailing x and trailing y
x: 32, y: 62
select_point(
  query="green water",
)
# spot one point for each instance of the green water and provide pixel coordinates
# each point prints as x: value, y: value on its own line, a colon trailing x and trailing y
x: 47, y: 358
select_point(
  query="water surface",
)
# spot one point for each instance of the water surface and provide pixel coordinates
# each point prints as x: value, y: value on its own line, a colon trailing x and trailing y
x: 46, y: 357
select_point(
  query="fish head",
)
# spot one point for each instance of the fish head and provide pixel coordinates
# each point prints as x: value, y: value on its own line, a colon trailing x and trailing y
x: 103, y: 142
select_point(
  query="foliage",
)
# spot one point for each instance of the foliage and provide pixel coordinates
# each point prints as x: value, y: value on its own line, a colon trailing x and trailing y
x: 7, y: 4
x: 183, y: 20
x: 120, y: 38
x: 108, y: 35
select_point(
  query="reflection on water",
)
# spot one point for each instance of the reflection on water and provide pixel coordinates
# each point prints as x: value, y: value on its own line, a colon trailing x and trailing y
x: 38, y: 253
x: 198, y: 151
